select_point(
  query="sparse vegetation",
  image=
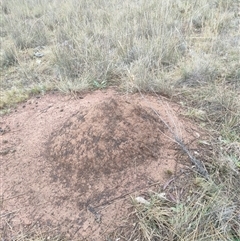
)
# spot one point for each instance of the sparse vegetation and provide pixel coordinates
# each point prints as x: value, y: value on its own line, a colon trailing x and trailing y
x: 187, y: 50
x: 203, y: 215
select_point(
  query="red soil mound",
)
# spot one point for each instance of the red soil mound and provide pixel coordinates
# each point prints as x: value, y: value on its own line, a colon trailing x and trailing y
x: 70, y: 165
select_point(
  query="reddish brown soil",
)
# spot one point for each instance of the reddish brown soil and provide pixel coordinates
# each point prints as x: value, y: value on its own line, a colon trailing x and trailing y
x: 69, y: 164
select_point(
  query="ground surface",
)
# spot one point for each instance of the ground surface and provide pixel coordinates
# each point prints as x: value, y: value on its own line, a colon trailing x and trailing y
x: 69, y: 164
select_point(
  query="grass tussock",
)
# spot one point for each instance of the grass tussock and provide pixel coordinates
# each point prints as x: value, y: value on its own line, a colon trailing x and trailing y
x: 187, y: 50
x: 9, y: 56
x: 137, y: 45
x: 203, y: 214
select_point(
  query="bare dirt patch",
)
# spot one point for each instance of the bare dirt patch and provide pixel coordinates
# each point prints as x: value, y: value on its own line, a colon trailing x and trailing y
x: 69, y: 164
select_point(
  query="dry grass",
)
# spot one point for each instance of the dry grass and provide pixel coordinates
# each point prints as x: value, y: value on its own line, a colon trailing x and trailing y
x: 187, y: 50
x: 133, y: 44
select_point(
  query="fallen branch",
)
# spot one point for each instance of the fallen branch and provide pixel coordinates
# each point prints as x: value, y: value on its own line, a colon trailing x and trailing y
x: 198, y: 164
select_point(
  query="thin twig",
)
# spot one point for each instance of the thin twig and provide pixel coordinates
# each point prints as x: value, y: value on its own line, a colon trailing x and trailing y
x: 6, y: 214
x: 198, y: 164
x: 126, y: 194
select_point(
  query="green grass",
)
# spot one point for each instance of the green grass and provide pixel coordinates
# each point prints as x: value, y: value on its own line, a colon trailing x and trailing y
x: 187, y: 50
